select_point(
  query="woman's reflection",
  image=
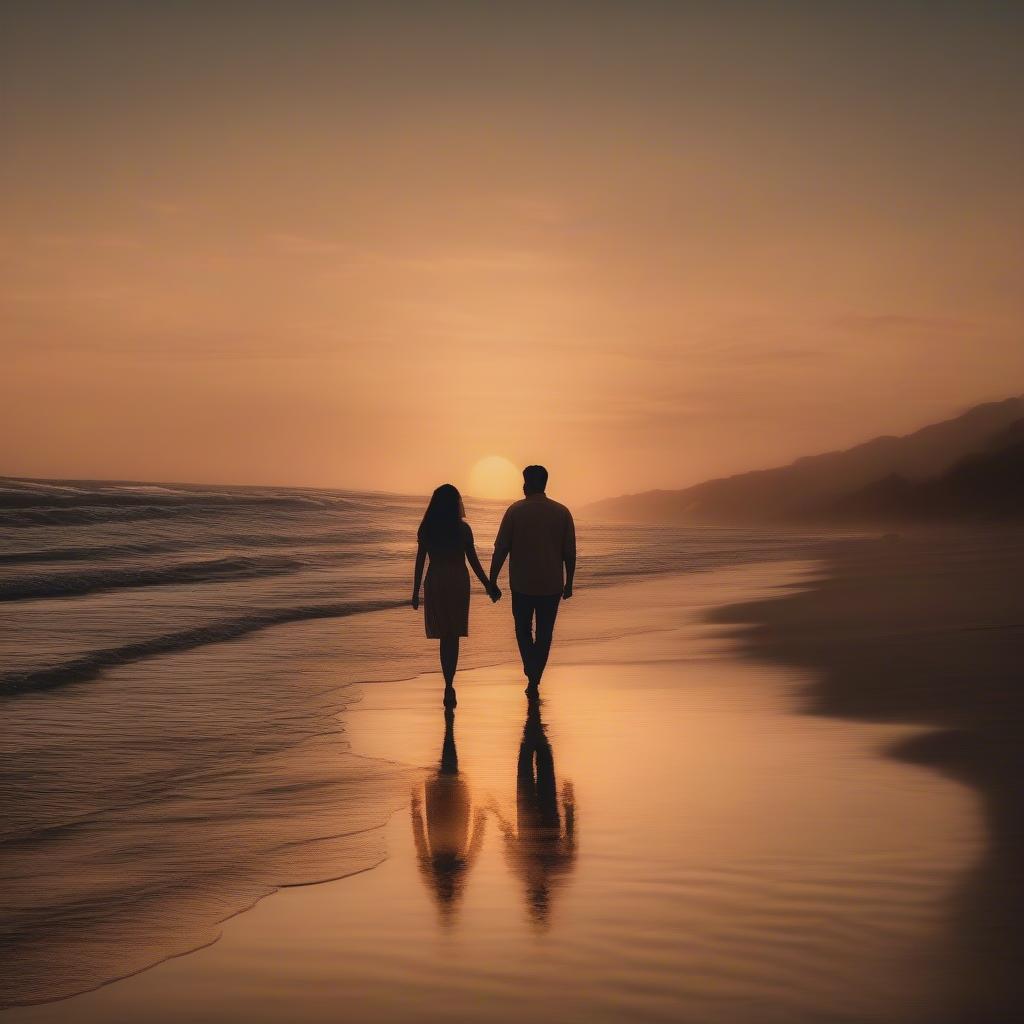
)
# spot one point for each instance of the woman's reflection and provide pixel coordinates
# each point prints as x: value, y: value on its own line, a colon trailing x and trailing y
x: 447, y: 842
x: 541, y: 849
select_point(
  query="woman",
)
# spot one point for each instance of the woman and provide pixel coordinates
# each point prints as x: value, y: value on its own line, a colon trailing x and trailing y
x: 445, y: 537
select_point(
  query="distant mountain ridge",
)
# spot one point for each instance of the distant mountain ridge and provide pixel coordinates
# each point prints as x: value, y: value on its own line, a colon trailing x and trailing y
x: 989, y: 484
x: 858, y: 482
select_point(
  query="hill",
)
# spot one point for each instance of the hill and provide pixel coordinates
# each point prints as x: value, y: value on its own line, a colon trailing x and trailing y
x: 828, y: 485
x: 988, y: 485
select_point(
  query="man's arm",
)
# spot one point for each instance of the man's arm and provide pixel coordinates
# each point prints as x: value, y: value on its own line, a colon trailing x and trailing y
x: 569, y: 555
x: 502, y: 546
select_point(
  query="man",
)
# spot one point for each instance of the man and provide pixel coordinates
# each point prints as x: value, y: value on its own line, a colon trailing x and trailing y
x: 540, y: 536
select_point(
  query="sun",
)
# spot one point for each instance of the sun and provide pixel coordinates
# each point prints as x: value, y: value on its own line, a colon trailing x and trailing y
x: 495, y: 477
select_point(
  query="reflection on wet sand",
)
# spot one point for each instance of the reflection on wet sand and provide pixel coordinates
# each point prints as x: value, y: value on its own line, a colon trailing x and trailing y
x: 447, y: 834
x: 541, y: 848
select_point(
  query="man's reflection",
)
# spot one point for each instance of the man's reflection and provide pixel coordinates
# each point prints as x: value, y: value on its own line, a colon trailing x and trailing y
x: 541, y: 849
x: 447, y: 842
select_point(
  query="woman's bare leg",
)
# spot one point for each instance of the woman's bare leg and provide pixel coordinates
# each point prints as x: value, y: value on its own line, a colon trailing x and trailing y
x: 449, y: 665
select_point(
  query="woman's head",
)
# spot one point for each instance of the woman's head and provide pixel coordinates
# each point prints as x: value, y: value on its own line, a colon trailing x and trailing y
x: 442, y: 521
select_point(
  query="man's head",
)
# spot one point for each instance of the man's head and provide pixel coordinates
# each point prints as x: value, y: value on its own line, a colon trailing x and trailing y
x: 535, y: 479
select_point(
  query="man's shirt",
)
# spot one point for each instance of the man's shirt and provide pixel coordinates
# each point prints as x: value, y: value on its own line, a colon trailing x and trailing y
x: 539, y: 536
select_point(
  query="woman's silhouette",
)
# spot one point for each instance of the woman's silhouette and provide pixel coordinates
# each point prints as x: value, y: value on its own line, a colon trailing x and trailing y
x: 448, y: 836
x: 445, y: 538
x: 541, y: 848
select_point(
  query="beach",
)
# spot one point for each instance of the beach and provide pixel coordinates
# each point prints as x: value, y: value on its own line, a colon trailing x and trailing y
x: 706, y: 849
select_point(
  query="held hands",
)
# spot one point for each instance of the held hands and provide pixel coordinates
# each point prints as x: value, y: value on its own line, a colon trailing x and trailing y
x: 493, y: 592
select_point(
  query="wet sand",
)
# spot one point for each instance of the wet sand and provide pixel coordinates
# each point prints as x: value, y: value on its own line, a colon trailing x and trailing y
x: 667, y: 837
x: 929, y: 630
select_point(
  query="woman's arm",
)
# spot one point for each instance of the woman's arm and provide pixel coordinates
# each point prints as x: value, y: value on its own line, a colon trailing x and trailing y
x: 417, y: 579
x: 474, y: 564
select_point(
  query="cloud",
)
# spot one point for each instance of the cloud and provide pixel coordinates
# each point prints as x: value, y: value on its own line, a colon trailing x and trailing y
x: 86, y: 240
x: 876, y: 323
x: 707, y: 353
x: 306, y: 245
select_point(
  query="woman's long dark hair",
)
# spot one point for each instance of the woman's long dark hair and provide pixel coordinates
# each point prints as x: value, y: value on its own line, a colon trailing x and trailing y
x: 442, y: 522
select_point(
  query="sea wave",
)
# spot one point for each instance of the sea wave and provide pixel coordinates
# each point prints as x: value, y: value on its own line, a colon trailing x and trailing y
x: 26, y: 503
x: 87, y: 666
x: 80, y: 515
x: 114, y: 497
x: 217, y: 570
x: 88, y: 552
x: 327, y: 542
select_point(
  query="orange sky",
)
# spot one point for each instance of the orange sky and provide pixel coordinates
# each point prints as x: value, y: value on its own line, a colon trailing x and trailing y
x: 366, y: 245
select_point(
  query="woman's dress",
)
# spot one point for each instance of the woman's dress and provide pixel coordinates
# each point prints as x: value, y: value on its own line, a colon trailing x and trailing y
x: 446, y: 592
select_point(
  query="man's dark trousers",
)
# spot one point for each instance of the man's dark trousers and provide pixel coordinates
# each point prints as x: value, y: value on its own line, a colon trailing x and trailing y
x: 534, y: 645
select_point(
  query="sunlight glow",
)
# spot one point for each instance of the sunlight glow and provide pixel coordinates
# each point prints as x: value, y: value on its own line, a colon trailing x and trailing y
x: 495, y: 477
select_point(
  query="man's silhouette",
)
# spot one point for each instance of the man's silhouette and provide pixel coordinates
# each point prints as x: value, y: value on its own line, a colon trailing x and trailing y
x: 540, y: 537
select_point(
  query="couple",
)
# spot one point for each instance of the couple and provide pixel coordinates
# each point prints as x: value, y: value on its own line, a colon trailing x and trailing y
x: 540, y: 537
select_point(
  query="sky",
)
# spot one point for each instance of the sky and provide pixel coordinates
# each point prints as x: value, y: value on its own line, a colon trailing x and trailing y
x: 368, y: 245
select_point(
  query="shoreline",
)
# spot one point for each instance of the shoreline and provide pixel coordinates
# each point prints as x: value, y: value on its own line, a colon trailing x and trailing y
x: 328, y: 684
